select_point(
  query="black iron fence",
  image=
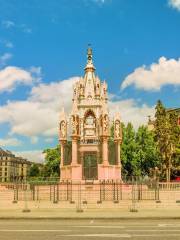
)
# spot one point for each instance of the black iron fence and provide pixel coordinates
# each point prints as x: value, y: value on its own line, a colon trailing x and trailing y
x: 88, y: 192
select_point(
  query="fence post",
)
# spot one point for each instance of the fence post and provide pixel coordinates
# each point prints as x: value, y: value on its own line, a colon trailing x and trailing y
x: 37, y: 195
x: 100, y: 192
x: 121, y: 191
x: 78, y: 206
x: 55, y: 194
x: 50, y: 198
x: 15, y: 194
x: 33, y: 191
x: 157, y: 191
x: 115, y: 193
x: 71, y: 192
x: 133, y: 208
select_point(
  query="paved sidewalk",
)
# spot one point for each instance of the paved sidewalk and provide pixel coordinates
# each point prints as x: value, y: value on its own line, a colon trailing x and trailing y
x: 90, y: 214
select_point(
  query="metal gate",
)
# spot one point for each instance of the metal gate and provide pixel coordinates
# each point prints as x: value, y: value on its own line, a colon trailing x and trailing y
x: 90, y: 166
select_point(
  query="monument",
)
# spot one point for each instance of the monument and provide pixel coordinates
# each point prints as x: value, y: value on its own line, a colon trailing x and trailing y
x: 87, y: 150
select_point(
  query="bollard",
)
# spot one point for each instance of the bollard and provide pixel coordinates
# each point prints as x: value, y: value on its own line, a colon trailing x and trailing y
x: 133, y: 208
x: 26, y: 209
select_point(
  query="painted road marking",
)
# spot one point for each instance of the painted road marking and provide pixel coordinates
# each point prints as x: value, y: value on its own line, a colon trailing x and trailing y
x: 152, y: 230
x: 168, y: 225
x: 156, y: 235
x: 99, y: 235
x: 97, y: 226
x: 34, y: 230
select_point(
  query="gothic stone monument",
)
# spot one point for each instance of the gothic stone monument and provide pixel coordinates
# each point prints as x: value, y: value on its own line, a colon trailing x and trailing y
x: 89, y: 155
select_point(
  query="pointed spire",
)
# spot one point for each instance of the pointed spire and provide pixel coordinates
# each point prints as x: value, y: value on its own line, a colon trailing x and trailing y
x: 62, y: 114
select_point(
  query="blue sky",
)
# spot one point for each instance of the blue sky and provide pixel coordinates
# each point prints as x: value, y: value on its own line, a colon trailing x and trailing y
x: 43, y: 50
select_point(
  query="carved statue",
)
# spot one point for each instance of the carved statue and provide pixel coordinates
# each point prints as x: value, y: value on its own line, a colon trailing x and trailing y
x: 117, y: 129
x: 105, y: 90
x: 75, y: 124
x: 105, y: 124
x: 97, y: 89
x: 63, y: 129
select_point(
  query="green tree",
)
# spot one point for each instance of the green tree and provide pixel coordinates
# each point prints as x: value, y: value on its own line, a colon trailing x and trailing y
x: 146, y: 152
x: 174, y: 158
x: 128, y: 151
x: 52, y: 161
x: 34, y: 170
x: 166, y: 137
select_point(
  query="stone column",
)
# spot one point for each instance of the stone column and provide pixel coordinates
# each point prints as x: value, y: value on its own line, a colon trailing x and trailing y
x: 105, y: 150
x: 118, y: 152
x: 74, y: 151
x: 62, y: 154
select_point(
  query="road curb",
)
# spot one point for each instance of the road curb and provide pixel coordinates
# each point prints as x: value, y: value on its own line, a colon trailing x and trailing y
x: 90, y: 218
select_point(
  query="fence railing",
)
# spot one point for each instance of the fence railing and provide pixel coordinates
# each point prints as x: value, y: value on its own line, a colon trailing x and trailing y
x: 88, y: 193
x: 169, y: 185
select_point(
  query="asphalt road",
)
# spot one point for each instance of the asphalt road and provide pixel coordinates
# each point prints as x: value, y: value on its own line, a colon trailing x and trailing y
x: 89, y: 229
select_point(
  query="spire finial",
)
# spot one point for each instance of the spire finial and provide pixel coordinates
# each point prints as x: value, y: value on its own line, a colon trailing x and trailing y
x: 89, y: 65
x: 89, y: 54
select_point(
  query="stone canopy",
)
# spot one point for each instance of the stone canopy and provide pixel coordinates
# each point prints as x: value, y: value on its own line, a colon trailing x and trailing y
x: 87, y: 155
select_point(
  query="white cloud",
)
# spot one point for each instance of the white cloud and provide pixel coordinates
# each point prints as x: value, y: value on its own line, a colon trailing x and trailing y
x: 25, y: 28
x: 9, y: 44
x: 6, y: 43
x: 11, y: 76
x: 130, y: 111
x: 174, y: 4
x: 4, y: 58
x: 8, y: 24
x: 39, y: 114
x: 154, y: 77
x: 34, y: 139
x: 6, y: 142
x: 33, y: 156
x: 49, y: 140
x: 100, y: 1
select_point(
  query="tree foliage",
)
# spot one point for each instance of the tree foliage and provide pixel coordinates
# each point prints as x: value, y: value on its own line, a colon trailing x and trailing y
x: 34, y: 170
x: 52, y: 161
x: 138, y: 151
x: 167, y: 137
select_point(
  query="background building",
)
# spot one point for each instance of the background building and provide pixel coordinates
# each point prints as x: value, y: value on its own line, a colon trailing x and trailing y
x: 13, y: 168
x: 151, y: 122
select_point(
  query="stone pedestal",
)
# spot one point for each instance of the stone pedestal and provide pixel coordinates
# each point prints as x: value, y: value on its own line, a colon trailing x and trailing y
x: 71, y: 172
x: 109, y: 172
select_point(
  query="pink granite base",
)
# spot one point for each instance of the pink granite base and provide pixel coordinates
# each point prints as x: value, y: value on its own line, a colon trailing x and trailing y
x: 109, y: 172
x: 71, y: 172
x: 105, y: 172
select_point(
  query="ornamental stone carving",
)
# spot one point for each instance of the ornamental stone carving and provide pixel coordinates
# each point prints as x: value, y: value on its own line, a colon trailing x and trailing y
x: 63, y: 129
